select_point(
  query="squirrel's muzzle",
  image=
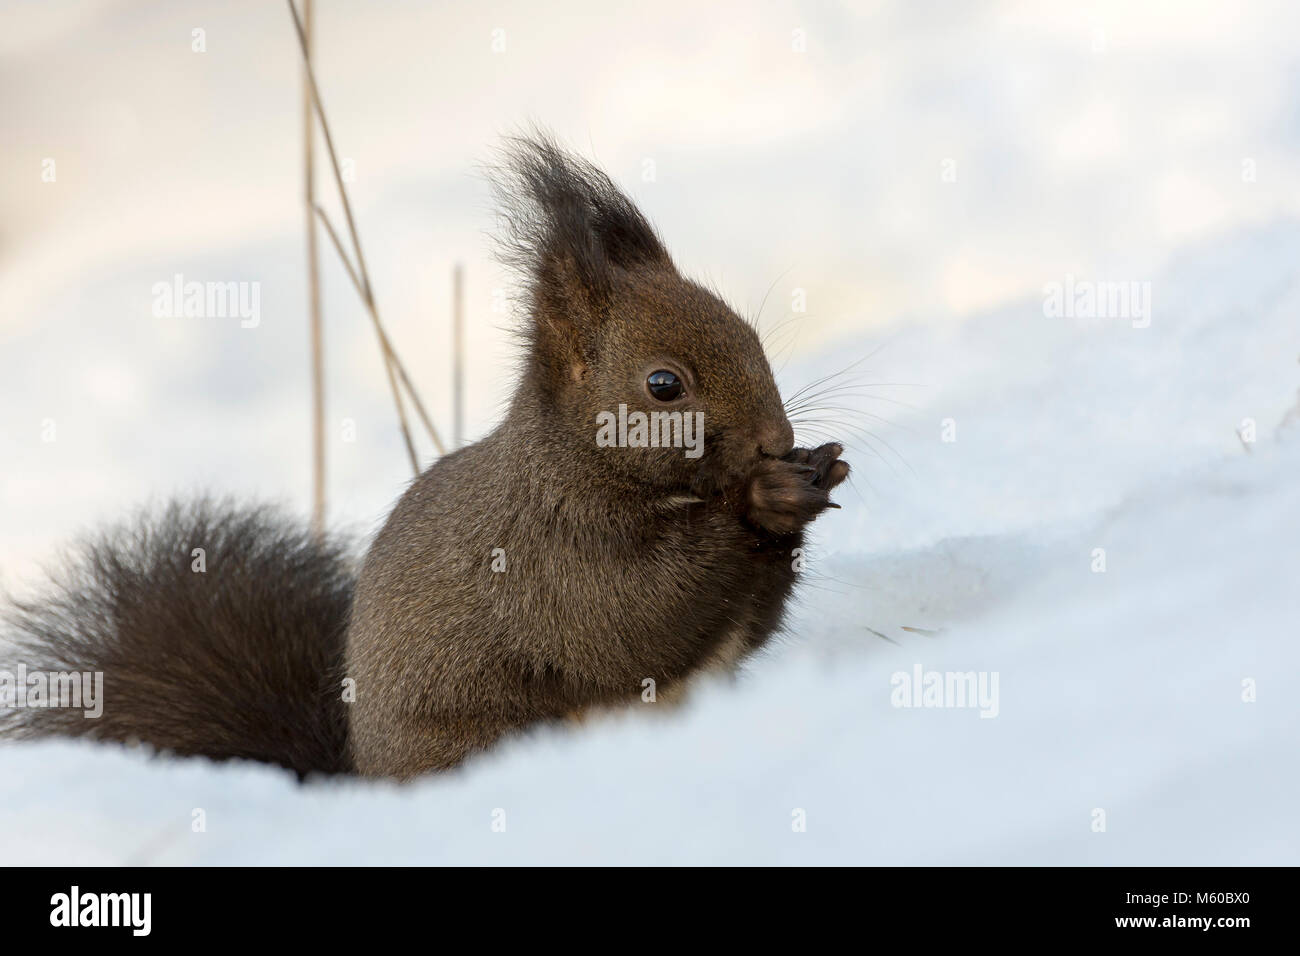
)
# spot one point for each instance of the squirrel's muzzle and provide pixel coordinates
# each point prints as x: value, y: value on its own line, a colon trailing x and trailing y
x: 776, y: 439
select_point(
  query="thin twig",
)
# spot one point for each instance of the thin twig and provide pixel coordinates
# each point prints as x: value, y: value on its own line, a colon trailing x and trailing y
x: 361, y: 277
x: 313, y: 298
x: 385, y: 344
x: 329, y: 144
x: 390, y: 360
x: 883, y: 637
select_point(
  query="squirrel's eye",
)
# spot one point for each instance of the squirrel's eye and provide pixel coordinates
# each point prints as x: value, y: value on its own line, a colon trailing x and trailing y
x: 664, y: 385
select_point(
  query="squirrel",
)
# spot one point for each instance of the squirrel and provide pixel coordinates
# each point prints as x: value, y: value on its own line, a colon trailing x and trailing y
x: 561, y: 565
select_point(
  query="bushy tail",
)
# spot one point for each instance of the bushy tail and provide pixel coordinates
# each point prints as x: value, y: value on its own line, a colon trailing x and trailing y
x: 234, y: 650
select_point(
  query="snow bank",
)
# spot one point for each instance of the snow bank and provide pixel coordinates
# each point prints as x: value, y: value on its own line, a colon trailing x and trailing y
x: 1121, y: 694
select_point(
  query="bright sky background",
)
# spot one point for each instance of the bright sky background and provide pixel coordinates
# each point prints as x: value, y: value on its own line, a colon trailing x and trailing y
x: 913, y: 162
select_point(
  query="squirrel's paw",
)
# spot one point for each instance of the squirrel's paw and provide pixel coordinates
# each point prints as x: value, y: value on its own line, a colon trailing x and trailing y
x: 824, y: 460
x: 785, y: 494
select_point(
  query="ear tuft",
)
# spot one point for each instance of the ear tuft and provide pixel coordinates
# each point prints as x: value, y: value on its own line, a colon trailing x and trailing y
x: 567, y: 228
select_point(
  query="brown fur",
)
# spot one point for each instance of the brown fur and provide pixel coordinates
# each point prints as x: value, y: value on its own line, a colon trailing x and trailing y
x: 621, y: 564
x: 239, y: 660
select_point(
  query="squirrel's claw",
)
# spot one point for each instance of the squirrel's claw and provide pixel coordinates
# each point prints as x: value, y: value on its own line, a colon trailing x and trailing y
x: 824, y: 462
x: 784, y: 494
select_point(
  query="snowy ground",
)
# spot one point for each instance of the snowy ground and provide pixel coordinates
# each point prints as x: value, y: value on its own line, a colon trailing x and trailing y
x: 1119, y: 691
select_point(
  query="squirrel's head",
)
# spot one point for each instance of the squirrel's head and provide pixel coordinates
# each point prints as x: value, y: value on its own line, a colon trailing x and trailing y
x: 629, y: 357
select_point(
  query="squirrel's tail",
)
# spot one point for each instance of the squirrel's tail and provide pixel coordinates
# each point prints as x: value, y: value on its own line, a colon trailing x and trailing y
x: 219, y: 631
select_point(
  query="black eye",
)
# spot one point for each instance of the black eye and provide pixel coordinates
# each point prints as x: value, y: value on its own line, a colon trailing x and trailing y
x: 664, y: 385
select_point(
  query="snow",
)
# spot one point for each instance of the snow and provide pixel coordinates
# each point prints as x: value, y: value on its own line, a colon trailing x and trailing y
x: 1119, y: 691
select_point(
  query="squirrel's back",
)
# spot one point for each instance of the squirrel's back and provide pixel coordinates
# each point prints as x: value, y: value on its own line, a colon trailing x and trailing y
x: 218, y: 630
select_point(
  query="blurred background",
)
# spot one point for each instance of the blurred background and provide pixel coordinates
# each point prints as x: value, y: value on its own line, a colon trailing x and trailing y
x: 874, y: 165
x: 1101, y: 512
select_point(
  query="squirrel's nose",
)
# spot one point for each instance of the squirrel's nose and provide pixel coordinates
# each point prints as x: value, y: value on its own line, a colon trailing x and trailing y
x: 776, y: 440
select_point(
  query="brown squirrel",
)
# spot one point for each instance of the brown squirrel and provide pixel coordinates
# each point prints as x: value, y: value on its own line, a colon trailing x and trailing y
x: 544, y: 571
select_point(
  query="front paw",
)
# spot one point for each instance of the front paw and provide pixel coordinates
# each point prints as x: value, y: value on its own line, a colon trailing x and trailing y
x: 785, y: 494
x: 827, y: 470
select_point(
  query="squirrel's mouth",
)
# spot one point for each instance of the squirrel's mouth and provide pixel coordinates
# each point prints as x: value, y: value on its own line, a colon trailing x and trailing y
x: 723, y: 481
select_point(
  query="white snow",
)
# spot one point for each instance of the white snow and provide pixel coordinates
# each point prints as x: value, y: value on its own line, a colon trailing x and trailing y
x: 1119, y: 691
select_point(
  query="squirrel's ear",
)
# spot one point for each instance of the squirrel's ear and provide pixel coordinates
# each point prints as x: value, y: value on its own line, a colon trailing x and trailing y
x: 568, y: 230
